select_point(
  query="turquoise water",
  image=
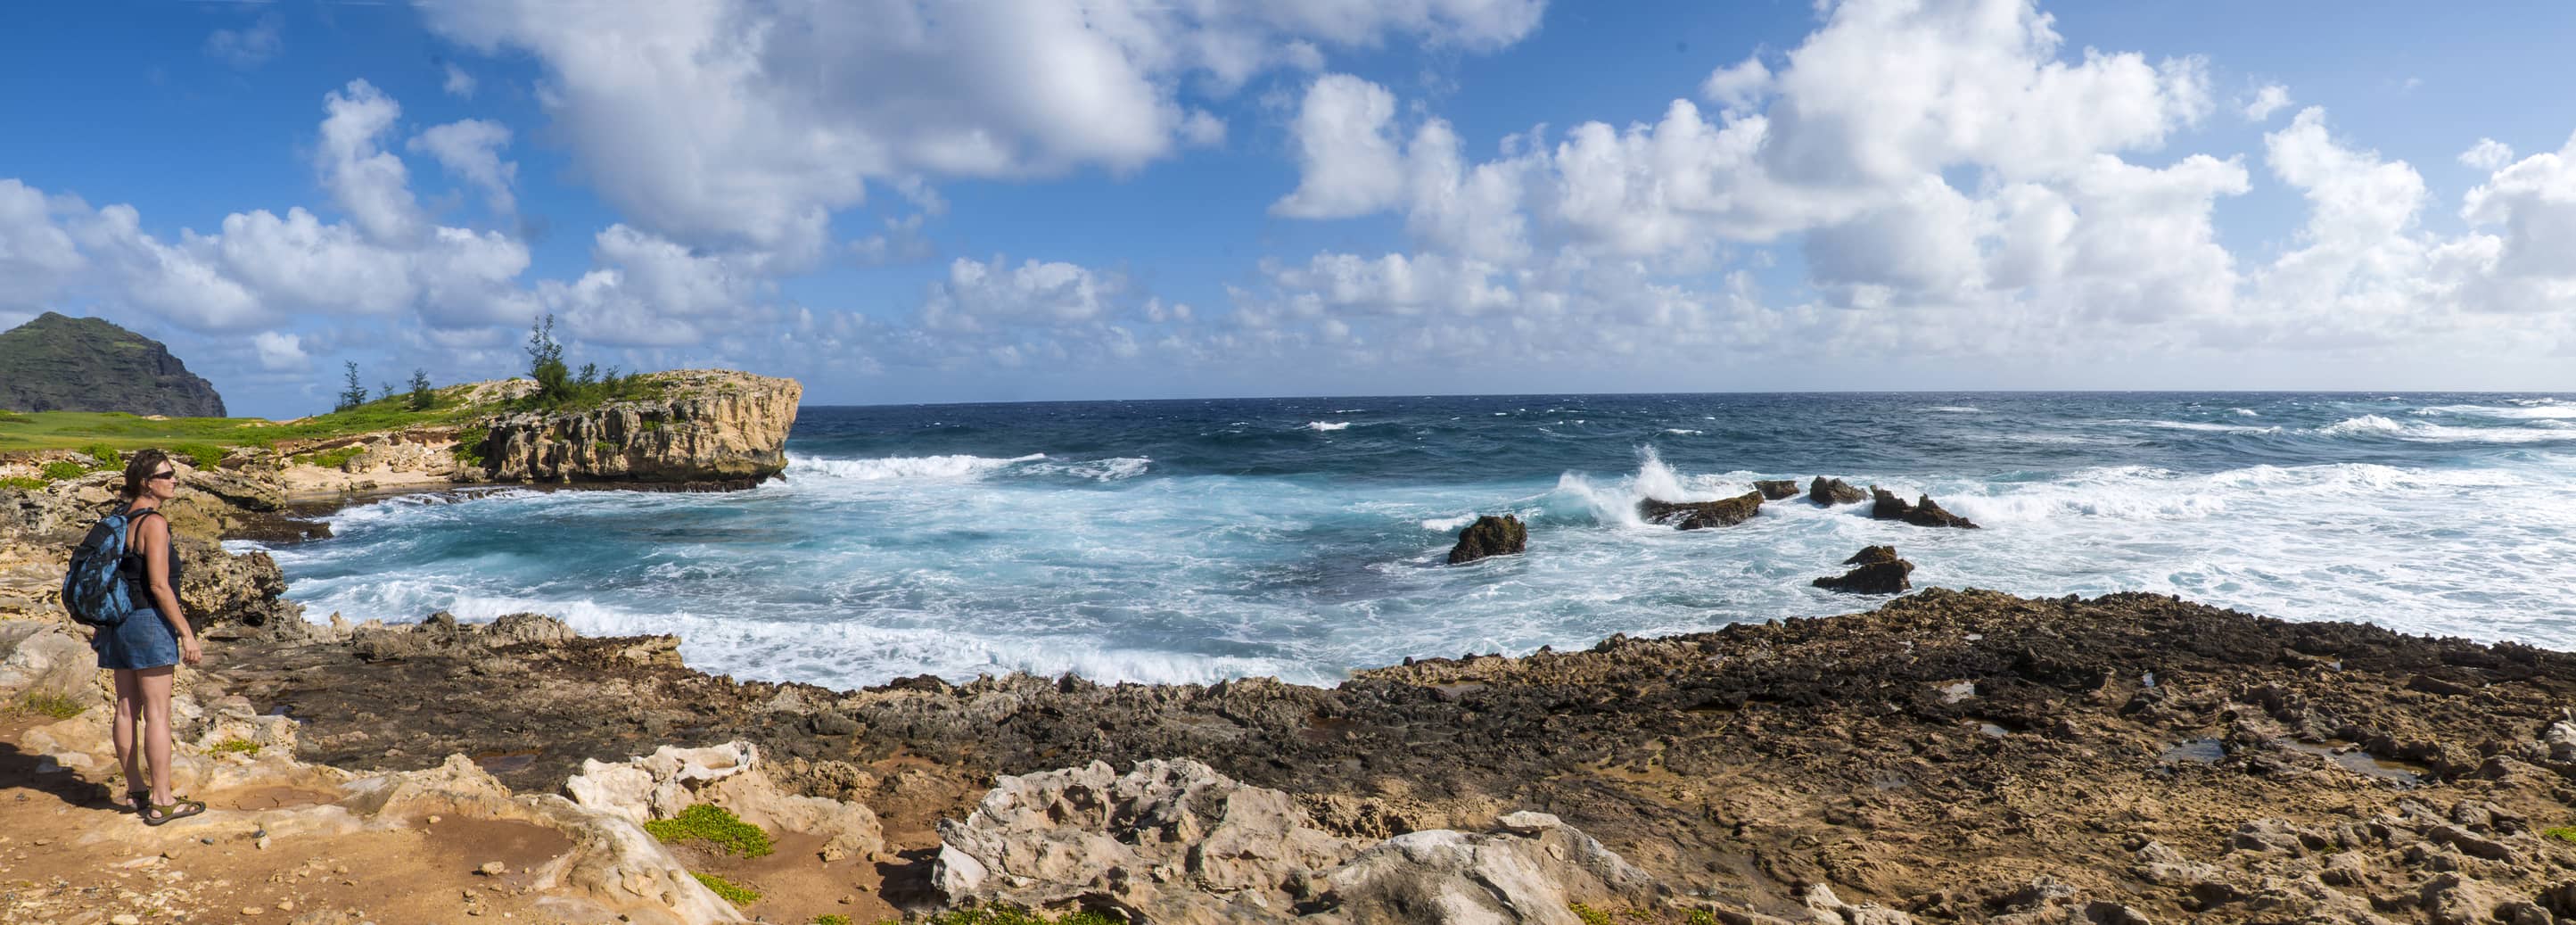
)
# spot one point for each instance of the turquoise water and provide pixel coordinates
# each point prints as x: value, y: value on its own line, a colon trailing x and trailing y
x: 1191, y: 541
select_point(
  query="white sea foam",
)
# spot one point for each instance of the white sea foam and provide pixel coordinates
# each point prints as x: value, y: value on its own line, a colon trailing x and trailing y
x: 856, y: 571
x: 2545, y: 409
x: 2213, y: 428
x: 1956, y: 409
x: 1681, y: 432
x: 1098, y: 470
x: 2365, y: 424
x: 950, y: 468
x: 1327, y: 426
x: 2424, y: 432
x: 2246, y: 412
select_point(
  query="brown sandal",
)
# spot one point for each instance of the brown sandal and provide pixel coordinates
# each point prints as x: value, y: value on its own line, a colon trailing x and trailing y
x: 164, y: 812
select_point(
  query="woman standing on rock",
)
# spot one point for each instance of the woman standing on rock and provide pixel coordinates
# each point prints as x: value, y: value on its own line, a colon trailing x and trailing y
x: 146, y: 649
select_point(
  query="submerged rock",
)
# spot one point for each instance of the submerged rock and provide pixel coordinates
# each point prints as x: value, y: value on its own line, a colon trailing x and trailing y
x: 1880, y: 572
x: 1776, y: 489
x: 1827, y: 492
x: 1695, y: 515
x: 1490, y: 536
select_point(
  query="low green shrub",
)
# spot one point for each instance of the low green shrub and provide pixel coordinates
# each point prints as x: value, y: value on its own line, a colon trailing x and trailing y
x: 59, y: 470
x: 728, y: 890
x: 333, y: 458
x: 830, y: 920
x: 235, y: 745
x: 22, y: 482
x: 2565, y: 833
x: 106, y: 455
x: 710, y: 823
x: 51, y: 704
x: 469, y: 445
x: 200, y: 455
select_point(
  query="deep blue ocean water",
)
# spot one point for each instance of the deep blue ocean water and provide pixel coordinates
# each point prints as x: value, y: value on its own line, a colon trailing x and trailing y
x: 1303, y: 538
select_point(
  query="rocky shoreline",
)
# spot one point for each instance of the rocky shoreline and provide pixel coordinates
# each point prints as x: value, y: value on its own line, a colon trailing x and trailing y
x: 1951, y: 755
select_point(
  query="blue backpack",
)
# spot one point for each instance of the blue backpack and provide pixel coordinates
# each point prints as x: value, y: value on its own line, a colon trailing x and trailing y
x: 94, y: 588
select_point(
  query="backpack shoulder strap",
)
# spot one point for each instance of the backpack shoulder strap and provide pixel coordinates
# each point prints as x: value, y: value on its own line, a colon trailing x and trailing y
x: 133, y: 519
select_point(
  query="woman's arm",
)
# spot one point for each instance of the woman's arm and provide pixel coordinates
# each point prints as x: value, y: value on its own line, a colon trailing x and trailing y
x: 154, y: 543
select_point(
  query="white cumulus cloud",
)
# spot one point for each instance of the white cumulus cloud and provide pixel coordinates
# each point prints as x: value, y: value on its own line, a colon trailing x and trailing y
x: 736, y: 124
x: 470, y: 149
x: 2271, y: 99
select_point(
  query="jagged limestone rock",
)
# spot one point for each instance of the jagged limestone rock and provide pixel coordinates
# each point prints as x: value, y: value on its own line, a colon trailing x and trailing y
x: 708, y: 426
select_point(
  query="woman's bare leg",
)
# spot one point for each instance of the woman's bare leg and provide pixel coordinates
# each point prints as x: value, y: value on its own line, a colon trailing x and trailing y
x: 129, y: 705
x: 155, y: 684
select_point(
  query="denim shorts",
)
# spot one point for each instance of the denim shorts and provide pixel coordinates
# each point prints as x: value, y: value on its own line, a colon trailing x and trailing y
x: 144, y: 640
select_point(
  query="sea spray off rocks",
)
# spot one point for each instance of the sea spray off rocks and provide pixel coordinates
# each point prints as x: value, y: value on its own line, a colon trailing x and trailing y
x: 1700, y: 515
x: 1924, y: 512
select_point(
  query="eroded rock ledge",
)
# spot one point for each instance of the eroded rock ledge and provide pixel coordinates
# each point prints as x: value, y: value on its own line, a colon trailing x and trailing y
x: 709, y: 427
x: 1951, y: 755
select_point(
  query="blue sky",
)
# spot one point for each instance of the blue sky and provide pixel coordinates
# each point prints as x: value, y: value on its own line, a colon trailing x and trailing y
x: 898, y: 201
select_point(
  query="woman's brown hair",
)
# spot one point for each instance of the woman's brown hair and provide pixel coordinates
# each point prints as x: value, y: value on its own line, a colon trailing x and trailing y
x: 140, y: 467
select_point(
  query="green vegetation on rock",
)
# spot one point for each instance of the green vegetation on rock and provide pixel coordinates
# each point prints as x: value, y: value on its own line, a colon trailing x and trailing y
x: 830, y: 920
x: 58, y: 363
x: 332, y: 458
x: 234, y: 745
x: 2565, y: 833
x: 22, y: 483
x: 45, y: 703
x: 710, y: 823
x: 727, y: 890
x: 207, y: 438
x: 61, y: 469
x: 200, y: 455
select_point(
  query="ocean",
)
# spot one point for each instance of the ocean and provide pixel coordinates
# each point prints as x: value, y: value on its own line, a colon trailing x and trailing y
x: 1170, y: 541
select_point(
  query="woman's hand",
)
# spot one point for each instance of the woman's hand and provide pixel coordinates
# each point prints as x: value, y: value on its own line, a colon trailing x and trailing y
x: 189, y: 652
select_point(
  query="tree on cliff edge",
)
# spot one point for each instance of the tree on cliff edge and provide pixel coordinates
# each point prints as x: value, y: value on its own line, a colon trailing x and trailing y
x: 545, y: 362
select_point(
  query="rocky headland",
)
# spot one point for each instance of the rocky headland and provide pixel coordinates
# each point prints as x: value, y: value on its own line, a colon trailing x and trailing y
x: 1949, y: 755
x: 59, y: 363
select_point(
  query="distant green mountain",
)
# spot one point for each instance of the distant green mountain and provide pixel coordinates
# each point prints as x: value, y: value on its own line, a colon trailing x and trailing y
x: 56, y: 363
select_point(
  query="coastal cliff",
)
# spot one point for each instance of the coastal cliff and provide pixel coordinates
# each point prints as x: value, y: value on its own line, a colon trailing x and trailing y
x: 58, y: 363
x: 706, y: 426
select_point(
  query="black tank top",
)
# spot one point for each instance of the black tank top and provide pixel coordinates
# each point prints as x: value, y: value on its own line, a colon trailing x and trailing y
x: 138, y: 579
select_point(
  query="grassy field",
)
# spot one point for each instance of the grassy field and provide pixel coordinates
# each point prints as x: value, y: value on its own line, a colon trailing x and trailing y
x: 117, y: 430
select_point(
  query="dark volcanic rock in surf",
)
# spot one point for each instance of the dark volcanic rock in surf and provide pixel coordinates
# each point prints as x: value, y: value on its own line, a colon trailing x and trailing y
x: 1885, y: 505
x: 1880, y: 572
x: 1871, y: 555
x: 1827, y: 492
x: 1774, y: 490
x: 1928, y: 513
x: 1924, y: 512
x: 1490, y: 536
x: 1694, y: 515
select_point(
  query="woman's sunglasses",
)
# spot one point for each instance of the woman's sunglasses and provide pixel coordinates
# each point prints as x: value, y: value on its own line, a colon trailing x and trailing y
x: 165, y: 474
